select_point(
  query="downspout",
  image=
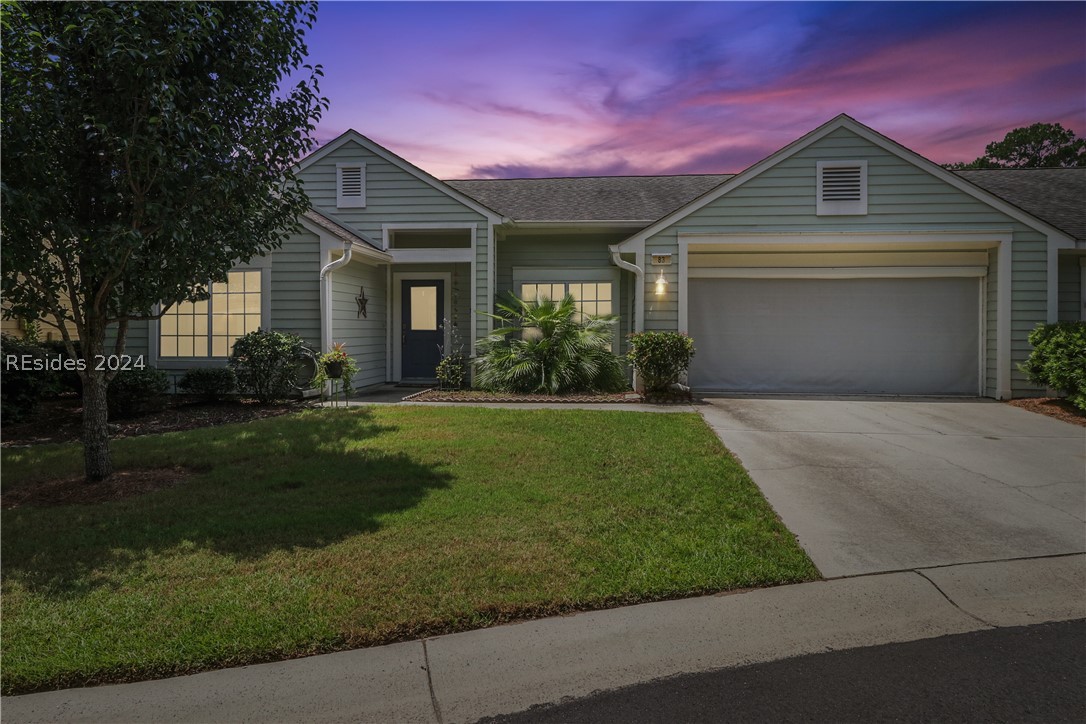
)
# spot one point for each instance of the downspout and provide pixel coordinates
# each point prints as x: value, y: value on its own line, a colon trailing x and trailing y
x: 637, y: 291
x: 639, y: 287
x: 326, y: 295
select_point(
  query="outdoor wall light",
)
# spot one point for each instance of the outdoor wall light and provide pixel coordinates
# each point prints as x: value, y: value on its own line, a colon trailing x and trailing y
x: 661, y: 284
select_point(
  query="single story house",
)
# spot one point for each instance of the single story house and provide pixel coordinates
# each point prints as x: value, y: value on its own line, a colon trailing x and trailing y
x: 843, y: 263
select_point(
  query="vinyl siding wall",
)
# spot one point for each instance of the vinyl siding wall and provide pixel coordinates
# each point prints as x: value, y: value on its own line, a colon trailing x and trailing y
x: 1070, y: 286
x: 295, y: 288
x: 364, y: 337
x: 562, y: 250
x: 901, y: 197
x: 394, y: 196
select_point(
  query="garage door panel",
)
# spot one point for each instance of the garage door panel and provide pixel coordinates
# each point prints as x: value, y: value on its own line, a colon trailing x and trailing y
x: 835, y: 336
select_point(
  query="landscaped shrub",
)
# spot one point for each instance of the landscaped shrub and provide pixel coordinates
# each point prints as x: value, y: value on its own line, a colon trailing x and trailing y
x: 544, y: 347
x: 1058, y: 359
x: 660, y: 358
x: 452, y: 372
x: 211, y: 384
x: 266, y: 364
x: 65, y: 380
x: 21, y: 386
x: 137, y: 392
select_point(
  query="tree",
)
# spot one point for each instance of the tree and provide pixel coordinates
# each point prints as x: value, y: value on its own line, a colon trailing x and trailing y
x: 148, y: 147
x: 1042, y: 145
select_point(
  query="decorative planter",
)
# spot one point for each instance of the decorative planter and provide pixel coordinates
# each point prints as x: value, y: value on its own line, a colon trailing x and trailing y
x: 333, y: 370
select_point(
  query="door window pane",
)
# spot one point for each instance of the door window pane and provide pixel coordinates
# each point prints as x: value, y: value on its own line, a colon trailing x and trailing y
x: 424, y: 309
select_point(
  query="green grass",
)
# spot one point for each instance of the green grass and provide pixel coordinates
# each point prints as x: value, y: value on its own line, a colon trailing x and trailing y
x: 334, y: 529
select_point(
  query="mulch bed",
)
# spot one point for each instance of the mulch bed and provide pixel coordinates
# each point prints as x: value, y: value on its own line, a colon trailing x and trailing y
x: 478, y: 396
x: 75, y: 490
x: 60, y: 420
x: 1056, y: 407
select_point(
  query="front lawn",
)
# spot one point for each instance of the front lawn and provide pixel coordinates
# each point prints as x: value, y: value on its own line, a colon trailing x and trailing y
x: 333, y: 529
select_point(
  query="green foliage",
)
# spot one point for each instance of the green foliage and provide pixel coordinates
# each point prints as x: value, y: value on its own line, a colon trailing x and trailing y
x: 21, y: 386
x: 212, y: 384
x: 1042, y: 145
x: 337, y: 357
x: 138, y: 392
x: 659, y: 359
x: 148, y: 148
x: 333, y: 529
x: 452, y: 372
x: 65, y: 380
x: 1058, y: 359
x: 265, y: 364
x: 544, y: 347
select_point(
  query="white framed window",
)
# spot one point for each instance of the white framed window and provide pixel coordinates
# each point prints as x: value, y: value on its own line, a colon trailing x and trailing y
x: 594, y: 289
x: 842, y: 188
x: 350, y: 185
x: 593, y: 298
x: 208, y: 328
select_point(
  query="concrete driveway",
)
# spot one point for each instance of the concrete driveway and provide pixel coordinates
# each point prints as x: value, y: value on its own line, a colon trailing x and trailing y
x: 884, y: 485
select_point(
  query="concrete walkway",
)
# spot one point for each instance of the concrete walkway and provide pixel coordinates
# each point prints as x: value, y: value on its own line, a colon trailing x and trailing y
x: 463, y: 677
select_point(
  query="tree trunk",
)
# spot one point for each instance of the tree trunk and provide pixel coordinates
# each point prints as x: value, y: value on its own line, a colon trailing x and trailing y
x: 97, y: 461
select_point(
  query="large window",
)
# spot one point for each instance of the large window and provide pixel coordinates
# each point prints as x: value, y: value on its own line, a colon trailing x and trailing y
x: 593, y: 298
x: 208, y: 328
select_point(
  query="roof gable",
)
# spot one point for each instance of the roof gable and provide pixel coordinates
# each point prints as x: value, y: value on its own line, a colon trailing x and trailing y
x: 843, y: 122
x: 380, y: 151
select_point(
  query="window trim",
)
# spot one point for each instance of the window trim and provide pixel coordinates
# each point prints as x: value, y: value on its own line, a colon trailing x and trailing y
x: 350, y: 202
x: 841, y: 208
x: 573, y: 275
x: 154, y: 329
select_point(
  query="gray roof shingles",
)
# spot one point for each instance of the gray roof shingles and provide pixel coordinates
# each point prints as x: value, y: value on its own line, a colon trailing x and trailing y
x: 1055, y: 195
x: 589, y: 198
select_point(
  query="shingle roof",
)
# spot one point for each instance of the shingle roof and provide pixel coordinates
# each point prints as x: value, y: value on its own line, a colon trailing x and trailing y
x: 339, y: 230
x: 590, y: 198
x: 1056, y: 195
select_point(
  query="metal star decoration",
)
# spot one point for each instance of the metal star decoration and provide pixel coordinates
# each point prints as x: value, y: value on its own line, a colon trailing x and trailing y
x: 362, y: 301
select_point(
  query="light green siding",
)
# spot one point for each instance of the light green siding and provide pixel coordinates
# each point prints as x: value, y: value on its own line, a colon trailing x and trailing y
x: 364, y: 337
x: 394, y: 196
x: 901, y: 197
x: 1070, y: 296
x: 566, y: 251
x: 295, y: 288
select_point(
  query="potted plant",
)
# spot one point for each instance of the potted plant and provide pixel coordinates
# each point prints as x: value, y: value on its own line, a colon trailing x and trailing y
x: 335, y: 364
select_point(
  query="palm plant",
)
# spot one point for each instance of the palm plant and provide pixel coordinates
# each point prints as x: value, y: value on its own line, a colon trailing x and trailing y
x: 544, y: 346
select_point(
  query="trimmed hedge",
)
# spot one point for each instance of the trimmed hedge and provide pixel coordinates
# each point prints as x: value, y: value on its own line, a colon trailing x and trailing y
x: 21, y: 387
x: 660, y: 358
x: 1058, y: 359
x: 137, y: 392
x: 212, y: 384
x: 266, y: 364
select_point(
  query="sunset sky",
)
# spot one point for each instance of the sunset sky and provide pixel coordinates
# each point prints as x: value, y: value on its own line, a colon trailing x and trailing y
x: 506, y: 90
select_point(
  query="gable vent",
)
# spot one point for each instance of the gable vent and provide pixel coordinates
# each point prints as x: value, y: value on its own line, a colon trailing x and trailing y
x: 841, y: 184
x: 351, y: 185
x: 842, y: 188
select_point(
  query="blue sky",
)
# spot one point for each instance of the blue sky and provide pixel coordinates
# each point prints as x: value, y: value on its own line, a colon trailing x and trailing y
x: 500, y: 89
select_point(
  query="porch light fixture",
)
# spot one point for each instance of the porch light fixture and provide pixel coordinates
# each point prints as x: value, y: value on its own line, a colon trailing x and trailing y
x: 661, y: 284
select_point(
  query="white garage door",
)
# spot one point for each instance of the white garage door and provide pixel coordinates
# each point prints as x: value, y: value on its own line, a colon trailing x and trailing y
x: 836, y: 336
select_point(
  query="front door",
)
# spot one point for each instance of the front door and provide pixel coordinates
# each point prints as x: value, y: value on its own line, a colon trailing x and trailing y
x: 423, y: 333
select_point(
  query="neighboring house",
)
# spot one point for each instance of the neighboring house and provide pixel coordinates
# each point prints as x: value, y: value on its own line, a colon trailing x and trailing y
x: 843, y: 263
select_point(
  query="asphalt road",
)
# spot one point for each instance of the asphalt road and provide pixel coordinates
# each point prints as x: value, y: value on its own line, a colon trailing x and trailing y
x: 1029, y: 673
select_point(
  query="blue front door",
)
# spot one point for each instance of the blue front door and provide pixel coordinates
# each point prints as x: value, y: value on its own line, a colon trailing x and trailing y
x: 422, y: 328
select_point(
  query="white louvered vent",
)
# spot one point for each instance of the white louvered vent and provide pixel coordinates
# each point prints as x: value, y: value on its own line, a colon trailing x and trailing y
x: 842, y: 188
x: 350, y: 185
